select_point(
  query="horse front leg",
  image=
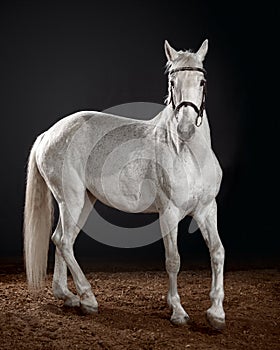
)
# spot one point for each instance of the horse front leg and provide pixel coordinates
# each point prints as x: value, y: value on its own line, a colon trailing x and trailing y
x: 207, y: 222
x: 169, y: 227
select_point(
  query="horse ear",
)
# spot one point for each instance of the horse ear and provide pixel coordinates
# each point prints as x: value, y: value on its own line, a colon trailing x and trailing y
x: 201, y: 53
x: 171, y: 53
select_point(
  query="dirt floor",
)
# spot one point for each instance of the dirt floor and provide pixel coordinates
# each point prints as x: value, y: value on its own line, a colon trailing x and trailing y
x: 133, y: 313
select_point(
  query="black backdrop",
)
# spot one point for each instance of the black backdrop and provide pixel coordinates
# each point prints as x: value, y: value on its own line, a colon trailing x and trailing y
x: 57, y: 58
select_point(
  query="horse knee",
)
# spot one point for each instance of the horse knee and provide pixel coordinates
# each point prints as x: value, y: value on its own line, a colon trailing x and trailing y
x: 218, y: 255
x: 173, y: 264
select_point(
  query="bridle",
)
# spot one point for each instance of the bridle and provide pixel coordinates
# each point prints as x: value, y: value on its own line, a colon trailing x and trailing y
x: 199, y: 111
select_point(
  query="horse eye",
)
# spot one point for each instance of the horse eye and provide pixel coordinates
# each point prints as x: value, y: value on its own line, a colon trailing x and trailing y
x: 172, y: 83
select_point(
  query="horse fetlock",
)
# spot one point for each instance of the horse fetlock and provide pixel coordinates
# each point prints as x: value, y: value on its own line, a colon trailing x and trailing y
x: 179, y: 315
x: 173, y: 301
x: 58, y: 291
x: 72, y: 300
x: 69, y: 298
x: 217, y: 296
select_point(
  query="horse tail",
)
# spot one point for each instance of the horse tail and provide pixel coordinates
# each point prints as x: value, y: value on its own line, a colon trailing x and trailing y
x: 38, y: 214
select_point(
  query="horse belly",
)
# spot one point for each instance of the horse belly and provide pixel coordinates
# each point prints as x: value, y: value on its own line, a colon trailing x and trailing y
x: 120, y: 169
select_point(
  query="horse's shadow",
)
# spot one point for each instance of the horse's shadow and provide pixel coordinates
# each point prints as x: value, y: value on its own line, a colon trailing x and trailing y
x: 203, y: 328
x: 123, y: 319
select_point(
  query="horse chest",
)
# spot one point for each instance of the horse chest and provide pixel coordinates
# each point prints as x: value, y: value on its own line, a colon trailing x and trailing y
x: 193, y: 182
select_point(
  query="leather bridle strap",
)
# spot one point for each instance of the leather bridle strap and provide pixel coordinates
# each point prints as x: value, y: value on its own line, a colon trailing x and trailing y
x: 181, y: 69
x: 199, y: 111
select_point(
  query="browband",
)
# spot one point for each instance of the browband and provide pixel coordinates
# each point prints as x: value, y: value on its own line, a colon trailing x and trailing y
x: 197, y: 69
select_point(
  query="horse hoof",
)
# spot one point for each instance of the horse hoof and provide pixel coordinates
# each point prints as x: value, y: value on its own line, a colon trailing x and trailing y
x: 179, y: 320
x: 73, y: 301
x: 216, y: 322
x: 88, y: 307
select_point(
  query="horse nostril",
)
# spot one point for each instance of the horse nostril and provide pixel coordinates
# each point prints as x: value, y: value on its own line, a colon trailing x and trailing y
x: 202, y: 82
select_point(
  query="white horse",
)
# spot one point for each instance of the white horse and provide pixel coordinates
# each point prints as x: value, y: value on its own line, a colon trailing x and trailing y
x: 168, y: 167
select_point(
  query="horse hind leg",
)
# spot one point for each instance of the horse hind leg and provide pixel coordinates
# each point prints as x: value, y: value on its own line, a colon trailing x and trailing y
x: 59, y: 285
x: 71, y: 222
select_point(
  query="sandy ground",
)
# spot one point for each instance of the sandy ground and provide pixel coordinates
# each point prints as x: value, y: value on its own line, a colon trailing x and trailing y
x: 133, y: 313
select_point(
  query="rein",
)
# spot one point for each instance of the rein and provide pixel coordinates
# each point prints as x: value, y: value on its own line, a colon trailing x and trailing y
x: 199, y: 111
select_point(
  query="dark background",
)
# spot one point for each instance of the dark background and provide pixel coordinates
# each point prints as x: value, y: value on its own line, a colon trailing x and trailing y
x: 58, y: 58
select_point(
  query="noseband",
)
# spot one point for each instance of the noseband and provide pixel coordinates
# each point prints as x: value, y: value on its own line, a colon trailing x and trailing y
x: 199, y: 111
